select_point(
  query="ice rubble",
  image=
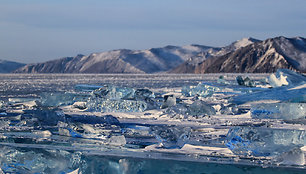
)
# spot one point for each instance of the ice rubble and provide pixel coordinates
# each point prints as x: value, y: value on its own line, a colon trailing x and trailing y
x: 200, y: 108
x: 196, y: 109
x: 283, y: 144
x: 16, y: 160
x: 126, y: 93
x: 170, y: 136
x: 259, y: 141
x: 292, y: 157
x: 20, y: 100
x: 105, y: 99
x: 230, y: 109
x: 47, y: 122
x: 104, y: 128
x: 222, y: 80
x: 120, y: 99
x: 114, y: 93
x: 46, y: 116
x: 202, y: 90
x: 179, y: 110
x: 287, y: 111
x: 169, y: 101
x: 101, y: 105
x: 93, y: 127
x: 245, y: 81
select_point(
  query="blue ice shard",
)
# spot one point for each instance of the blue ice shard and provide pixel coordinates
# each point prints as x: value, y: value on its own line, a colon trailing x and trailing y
x: 258, y: 141
x: 286, y: 111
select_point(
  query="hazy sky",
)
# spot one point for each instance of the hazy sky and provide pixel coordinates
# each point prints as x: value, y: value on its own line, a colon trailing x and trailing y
x: 40, y: 30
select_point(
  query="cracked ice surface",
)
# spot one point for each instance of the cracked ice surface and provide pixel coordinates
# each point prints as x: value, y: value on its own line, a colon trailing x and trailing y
x: 79, y: 123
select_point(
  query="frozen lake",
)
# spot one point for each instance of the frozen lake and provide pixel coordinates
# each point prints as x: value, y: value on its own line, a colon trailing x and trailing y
x: 25, y: 85
x: 168, y: 131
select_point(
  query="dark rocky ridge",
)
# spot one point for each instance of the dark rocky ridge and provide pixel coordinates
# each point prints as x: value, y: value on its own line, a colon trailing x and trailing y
x: 259, y: 57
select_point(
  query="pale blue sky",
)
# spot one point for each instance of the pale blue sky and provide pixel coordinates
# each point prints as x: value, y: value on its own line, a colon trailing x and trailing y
x: 40, y: 30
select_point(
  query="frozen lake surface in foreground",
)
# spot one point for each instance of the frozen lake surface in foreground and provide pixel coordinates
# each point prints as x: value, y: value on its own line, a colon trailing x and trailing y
x: 57, y: 123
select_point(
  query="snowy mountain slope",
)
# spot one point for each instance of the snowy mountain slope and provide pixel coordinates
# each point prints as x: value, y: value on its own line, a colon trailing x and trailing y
x: 189, y: 65
x: 259, y: 57
x: 237, y: 45
x: 81, y: 64
x: 119, y: 61
x: 293, y: 49
x: 9, y: 66
x: 54, y: 66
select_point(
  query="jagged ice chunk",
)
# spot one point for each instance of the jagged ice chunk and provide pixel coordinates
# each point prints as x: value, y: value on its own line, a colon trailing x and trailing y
x: 260, y: 141
x: 286, y: 111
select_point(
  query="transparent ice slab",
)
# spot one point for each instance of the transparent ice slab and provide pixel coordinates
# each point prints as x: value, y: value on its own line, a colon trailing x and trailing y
x: 286, y: 111
x: 259, y: 141
x: 62, y: 99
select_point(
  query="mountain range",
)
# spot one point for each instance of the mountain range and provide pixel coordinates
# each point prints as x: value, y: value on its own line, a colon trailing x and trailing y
x: 9, y: 66
x: 153, y: 60
x: 258, y: 57
x: 246, y: 55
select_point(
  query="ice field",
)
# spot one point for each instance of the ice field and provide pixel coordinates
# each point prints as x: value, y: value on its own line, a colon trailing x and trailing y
x: 158, y: 123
